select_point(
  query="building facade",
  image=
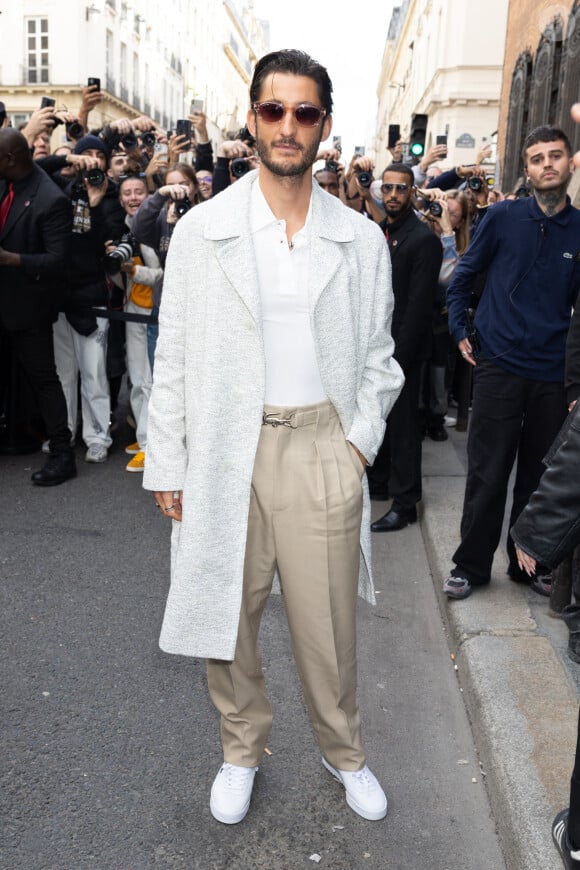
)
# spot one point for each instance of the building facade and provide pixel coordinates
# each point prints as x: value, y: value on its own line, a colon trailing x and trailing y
x: 441, y: 62
x: 541, y: 79
x: 152, y: 58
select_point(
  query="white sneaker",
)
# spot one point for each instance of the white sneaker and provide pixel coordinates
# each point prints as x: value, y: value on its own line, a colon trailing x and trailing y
x: 96, y: 453
x: 364, y: 795
x: 231, y: 793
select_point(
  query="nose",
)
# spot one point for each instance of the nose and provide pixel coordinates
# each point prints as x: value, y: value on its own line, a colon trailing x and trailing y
x: 288, y: 123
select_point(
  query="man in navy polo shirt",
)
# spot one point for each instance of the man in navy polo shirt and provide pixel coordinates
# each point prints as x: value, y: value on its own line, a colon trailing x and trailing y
x: 529, y: 250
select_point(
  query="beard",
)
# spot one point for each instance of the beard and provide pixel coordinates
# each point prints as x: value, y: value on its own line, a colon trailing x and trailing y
x: 285, y: 167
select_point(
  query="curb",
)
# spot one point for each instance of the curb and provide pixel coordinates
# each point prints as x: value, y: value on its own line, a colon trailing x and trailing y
x: 521, y: 704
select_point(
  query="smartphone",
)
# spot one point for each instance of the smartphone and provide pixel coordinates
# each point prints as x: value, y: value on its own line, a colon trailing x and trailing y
x: 160, y: 148
x: 196, y: 107
x: 337, y: 142
x: 394, y: 135
x: 183, y: 128
x: 442, y: 140
x: 359, y: 150
x: 46, y: 102
x: 94, y: 82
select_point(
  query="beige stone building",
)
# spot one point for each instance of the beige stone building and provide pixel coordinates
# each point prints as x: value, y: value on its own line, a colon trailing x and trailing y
x: 541, y: 79
x: 152, y: 58
x: 443, y: 61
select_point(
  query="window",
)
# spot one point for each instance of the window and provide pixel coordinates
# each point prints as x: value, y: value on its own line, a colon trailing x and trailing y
x: 37, y: 51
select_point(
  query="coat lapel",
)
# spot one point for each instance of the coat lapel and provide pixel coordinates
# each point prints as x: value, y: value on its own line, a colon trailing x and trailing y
x: 229, y: 228
x: 329, y: 226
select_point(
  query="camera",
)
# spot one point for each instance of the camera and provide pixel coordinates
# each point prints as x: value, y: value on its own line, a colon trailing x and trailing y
x: 124, y: 252
x: 129, y: 141
x: 475, y: 183
x: 74, y: 130
x: 239, y: 166
x: 331, y: 166
x: 148, y: 138
x: 435, y: 208
x: 182, y: 206
x: 365, y: 179
x: 522, y: 192
x: 95, y: 177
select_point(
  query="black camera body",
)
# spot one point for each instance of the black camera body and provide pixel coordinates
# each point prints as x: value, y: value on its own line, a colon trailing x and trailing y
x: 126, y: 248
x: 95, y: 177
x: 475, y: 183
x: 239, y: 166
x: 365, y: 179
x: 435, y: 208
x: 182, y: 206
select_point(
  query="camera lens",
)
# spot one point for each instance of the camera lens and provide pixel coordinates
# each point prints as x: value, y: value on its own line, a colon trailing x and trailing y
x: 129, y: 141
x: 365, y: 179
x: 148, y: 138
x: 95, y: 177
x: 74, y: 130
x: 182, y: 206
x: 239, y: 166
x: 331, y: 166
x: 436, y: 209
x: 475, y: 183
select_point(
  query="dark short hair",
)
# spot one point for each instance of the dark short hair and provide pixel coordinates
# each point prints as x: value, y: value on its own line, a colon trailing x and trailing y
x: 401, y: 169
x: 545, y: 133
x: 298, y: 63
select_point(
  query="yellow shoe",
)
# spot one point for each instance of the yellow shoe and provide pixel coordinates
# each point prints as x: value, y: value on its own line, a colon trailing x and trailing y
x: 137, y: 463
x: 132, y: 449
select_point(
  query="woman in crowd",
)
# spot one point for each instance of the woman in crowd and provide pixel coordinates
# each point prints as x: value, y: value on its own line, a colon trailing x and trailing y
x: 139, y: 268
x: 155, y: 220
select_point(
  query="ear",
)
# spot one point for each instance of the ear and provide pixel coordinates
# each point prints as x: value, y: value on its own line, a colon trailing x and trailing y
x: 326, y: 128
x: 251, y: 122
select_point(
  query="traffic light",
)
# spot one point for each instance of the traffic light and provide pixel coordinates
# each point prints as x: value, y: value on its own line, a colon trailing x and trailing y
x: 418, y: 133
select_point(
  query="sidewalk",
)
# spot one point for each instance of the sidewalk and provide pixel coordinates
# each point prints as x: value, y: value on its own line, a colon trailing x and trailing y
x: 520, y: 690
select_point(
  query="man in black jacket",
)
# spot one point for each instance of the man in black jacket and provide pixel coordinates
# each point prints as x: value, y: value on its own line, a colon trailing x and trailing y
x: 416, y: 255
x: 35, y: 230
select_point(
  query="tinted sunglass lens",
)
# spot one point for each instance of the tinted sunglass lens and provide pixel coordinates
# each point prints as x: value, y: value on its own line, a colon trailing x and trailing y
x: 271, y: 113
x: 308, y: 116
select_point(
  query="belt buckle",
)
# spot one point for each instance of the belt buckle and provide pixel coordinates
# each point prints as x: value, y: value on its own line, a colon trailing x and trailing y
x: 273, y: 420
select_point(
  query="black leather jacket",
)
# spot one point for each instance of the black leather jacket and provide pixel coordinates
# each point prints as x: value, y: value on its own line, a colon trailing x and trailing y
x: 549, y: 527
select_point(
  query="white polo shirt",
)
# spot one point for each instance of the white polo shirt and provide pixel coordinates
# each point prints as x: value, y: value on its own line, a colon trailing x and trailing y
x: 292, y: 373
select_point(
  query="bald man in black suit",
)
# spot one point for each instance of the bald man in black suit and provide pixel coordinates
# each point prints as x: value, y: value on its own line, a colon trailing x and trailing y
x: 35, y: 233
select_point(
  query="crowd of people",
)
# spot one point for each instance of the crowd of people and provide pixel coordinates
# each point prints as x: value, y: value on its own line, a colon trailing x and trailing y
x: 86, y: 235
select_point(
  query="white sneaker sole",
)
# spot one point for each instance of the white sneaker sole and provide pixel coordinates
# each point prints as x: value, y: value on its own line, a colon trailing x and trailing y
x: 228, y: 818
x: 360, y: 811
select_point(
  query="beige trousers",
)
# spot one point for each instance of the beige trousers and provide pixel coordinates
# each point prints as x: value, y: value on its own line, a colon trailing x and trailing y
x: 304, y: 518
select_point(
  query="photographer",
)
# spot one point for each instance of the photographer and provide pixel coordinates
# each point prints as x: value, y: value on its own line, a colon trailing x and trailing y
x: 154, y: 222
x: 80, y: 338
x: 448, y: 215
x: 359, y: 178
x: 137, y: 269
x: 234, y: 159
x: 331, y: 177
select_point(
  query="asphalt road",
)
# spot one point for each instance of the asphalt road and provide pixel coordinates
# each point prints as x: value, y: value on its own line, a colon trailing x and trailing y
x: 109, y: 746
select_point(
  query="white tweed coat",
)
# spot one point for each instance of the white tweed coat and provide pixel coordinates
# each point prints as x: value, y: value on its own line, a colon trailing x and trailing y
x: 205, y: 411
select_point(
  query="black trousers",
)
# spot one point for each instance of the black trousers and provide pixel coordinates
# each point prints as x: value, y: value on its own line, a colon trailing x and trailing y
x: 34, y: 350
x: 511, y: 416
x: 398, y: 463
x: 574, y: 823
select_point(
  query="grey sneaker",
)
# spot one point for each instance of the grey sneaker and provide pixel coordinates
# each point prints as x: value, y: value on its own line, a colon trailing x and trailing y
x: 457, y: 587
x: 96, y: 453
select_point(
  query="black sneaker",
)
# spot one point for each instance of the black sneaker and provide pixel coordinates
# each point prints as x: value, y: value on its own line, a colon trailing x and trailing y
x: 570, y: 858
x: 542, y: 584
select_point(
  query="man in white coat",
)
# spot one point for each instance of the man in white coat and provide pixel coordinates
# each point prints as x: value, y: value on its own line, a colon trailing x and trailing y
x: 273, y: 379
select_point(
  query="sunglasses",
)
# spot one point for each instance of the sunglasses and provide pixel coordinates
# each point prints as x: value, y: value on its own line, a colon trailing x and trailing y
x: 400, y: 188
x: 272, y: 112
x: 207, y: 179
